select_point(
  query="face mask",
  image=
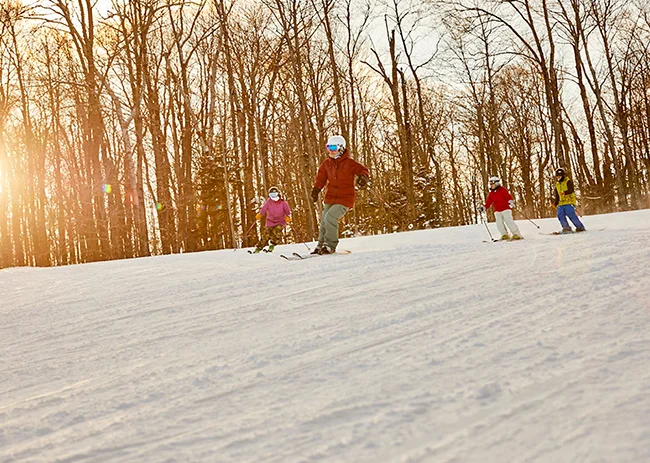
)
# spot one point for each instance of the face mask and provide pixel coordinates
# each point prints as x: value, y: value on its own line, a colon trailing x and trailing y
x: 274, y: 196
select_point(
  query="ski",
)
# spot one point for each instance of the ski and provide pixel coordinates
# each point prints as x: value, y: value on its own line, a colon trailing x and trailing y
x: 296, y: 256
x: 572, y: 232
x: 499, y: 241
x: 558, y: 233
x: 263, y: 250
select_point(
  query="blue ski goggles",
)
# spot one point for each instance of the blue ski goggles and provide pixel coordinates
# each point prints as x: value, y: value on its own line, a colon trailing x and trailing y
x: 332, y: 147
x: 274, y: 194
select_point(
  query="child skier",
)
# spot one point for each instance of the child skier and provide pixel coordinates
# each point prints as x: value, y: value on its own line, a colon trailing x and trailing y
x: 338, y: 172
x: 278, y: 215
x: 564, y: 199
x: 503, y: 204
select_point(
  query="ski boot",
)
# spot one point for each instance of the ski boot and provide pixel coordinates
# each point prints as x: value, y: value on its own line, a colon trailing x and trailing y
x: 578, y: 230
x: 326, y: 250
x: 271, y: 248
x: 517, y: 237
x: 505, y: 237
x: 257, y: 250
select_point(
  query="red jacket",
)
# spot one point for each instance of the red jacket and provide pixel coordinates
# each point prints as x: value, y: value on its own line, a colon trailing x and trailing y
x: 499, y: 197
x: 339, y: 176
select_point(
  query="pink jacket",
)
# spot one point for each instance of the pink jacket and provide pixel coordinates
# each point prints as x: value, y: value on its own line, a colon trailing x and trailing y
x: 275, y: 212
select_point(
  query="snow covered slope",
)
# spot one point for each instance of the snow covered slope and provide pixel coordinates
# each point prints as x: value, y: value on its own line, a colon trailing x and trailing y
x: 429, y: 346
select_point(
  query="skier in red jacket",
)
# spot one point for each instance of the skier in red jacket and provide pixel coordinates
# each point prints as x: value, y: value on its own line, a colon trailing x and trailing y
x: 503, y: 204
x: 338, y: 172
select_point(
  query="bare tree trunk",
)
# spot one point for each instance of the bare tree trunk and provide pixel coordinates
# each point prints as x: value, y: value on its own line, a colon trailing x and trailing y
x: 35, y: 169
x: 596, y: 88
x: 164, y: 206
x: 602, y: 19
x: 575, y: 25
x: 307, y: 140
x: 6, y: 251
x: 399, y: 105
x: 343, y: 125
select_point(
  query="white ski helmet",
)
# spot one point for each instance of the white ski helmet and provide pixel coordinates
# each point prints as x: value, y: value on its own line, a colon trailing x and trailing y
x: 336, y: 143
x: 496, y: 180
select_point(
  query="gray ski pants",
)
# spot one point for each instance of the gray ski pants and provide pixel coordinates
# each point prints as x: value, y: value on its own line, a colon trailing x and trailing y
x: 328, y: 233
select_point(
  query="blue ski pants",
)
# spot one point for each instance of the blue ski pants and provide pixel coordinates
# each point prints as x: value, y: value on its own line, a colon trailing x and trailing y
x: 568, y: 210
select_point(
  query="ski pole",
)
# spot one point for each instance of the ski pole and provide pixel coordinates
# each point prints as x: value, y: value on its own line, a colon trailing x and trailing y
x: 379, y: 196
x: 246, y: 234
x: 486, y: 227
x: 299, y: 238
x: 519, y: 210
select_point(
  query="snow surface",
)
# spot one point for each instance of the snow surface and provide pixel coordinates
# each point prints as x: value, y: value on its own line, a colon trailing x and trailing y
x: 428, y: 346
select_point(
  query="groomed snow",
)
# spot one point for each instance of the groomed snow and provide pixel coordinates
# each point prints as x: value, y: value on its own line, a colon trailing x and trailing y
x: 428, y: 346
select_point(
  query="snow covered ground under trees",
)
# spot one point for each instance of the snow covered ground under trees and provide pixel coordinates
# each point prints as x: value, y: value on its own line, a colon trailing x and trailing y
x: 427, y: 346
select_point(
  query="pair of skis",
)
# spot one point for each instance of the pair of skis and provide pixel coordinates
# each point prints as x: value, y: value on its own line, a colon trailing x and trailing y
x: 572, y: 232
x: 297, y: 256
x: 494, y: 240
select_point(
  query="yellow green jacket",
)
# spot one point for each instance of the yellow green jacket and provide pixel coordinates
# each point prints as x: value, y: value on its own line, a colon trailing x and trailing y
x: 564, y: 192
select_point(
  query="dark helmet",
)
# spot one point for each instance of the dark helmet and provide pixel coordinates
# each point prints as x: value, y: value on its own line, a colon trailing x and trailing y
x: 560, y: 172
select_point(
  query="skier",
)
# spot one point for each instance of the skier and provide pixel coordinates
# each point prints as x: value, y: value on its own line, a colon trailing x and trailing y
x: 503, y: 204
x: 278, y: 215
x: 564, y: 199
x: 338, y: 172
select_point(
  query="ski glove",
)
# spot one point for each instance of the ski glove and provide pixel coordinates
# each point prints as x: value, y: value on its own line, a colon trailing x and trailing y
x: 511, y: 203
x: 362, y: 181
x: 287, y: 219
x: 258, y: 216
x: 481, y: 208
x: 314, y: 194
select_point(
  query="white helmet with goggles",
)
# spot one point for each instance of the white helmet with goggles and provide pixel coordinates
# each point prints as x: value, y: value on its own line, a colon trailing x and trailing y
x: 495, y: 180
x: 335, y: 146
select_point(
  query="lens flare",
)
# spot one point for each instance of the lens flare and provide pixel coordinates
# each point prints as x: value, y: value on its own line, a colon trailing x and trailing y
x: 159, y: 206
x: 107, y: 188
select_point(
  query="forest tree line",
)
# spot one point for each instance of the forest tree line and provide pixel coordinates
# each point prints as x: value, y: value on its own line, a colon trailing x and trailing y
x: 131, y: 128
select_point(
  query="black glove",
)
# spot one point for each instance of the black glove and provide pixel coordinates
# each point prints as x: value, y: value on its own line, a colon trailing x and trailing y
x: 362, y: 181
x: 314, y: 194
x: 481, y: 208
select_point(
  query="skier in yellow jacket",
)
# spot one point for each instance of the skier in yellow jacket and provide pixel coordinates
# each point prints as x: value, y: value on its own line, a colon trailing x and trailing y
x: 565, y: 202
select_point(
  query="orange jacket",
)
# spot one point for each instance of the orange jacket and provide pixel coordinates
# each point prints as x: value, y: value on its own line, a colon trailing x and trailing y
x: 339, y: 175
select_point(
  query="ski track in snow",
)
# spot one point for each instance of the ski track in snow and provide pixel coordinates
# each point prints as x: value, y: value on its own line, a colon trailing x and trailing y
x: 426, y: 346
